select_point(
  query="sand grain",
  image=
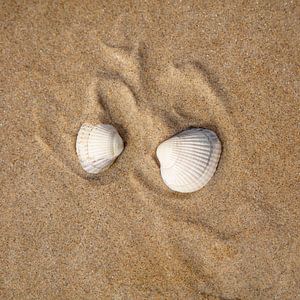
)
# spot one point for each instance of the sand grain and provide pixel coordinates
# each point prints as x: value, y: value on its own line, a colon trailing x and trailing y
x: 151, y: 70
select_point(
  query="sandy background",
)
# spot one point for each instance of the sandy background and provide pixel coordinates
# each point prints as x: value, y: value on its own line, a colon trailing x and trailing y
x: 151, y: 69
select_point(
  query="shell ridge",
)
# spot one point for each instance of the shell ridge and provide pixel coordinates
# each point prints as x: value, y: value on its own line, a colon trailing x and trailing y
x: 95, y: 147
x: 197, y: 153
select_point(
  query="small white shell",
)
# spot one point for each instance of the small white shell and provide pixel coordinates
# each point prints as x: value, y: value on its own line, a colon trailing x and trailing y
x: 98, y: 146
x: 189, y: 159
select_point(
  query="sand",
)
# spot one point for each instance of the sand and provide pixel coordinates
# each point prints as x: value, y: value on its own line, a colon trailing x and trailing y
x: 151, y: 69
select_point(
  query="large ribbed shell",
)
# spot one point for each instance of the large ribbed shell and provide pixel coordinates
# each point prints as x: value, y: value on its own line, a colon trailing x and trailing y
x: 189, y: 159
x: 98, y: 146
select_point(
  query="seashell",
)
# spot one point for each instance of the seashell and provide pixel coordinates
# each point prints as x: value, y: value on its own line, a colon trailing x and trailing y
x: 98, y: 146
x: 189, y: 159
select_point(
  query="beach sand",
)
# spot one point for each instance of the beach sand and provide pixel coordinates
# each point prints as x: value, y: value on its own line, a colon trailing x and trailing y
x: 151, y: 69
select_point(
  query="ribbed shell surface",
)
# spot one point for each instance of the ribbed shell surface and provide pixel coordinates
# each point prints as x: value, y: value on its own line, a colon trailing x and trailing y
x: 189, y: 159
x: 97, y: 147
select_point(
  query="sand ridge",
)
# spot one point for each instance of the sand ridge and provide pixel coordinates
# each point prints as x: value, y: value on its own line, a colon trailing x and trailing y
x: 116, y: 96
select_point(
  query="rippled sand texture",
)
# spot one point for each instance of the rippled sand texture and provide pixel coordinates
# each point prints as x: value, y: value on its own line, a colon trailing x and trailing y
x: 151, y: 70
